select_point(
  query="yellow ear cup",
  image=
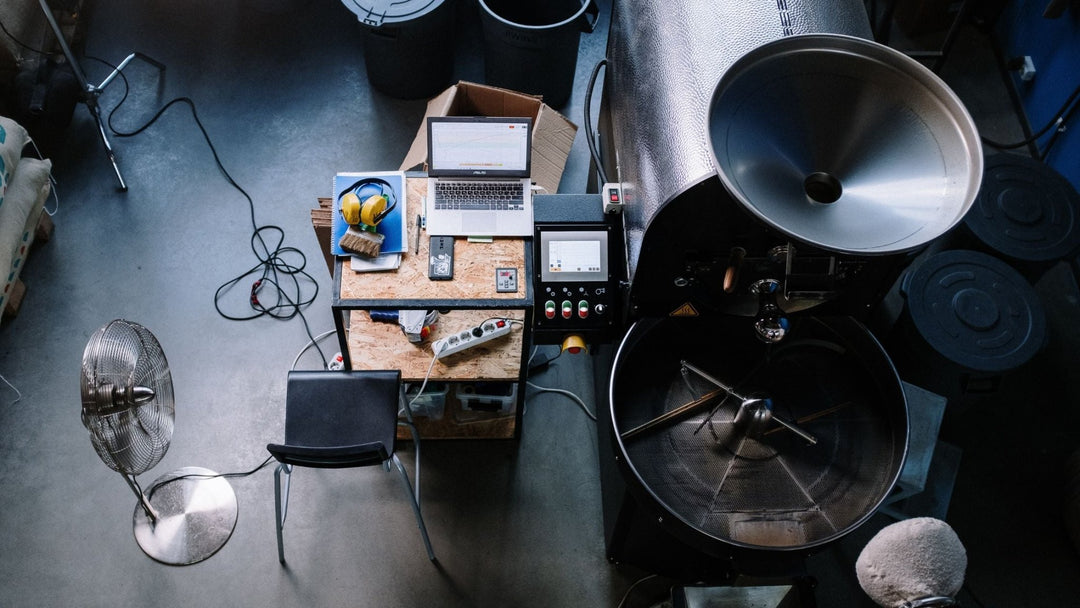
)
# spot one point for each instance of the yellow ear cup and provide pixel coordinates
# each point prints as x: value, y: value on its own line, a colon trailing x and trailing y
x: 350, y: 209
x: 371, y: 209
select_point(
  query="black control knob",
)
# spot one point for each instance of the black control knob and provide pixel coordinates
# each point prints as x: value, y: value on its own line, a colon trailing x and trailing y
x: 600, y: 309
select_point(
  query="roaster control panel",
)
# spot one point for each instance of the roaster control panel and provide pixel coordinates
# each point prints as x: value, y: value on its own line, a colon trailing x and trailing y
x: 575, y: 292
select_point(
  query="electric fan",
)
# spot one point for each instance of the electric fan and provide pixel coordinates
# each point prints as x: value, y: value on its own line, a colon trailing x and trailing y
x: 128, y: 408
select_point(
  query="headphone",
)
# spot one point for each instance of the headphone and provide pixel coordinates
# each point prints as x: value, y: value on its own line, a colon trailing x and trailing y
x: 368, y: 208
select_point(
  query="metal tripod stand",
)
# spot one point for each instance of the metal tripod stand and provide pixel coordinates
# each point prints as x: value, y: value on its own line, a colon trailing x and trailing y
x: 90, y: 92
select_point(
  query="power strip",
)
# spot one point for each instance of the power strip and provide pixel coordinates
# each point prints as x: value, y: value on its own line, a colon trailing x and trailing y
x: 488, y: 330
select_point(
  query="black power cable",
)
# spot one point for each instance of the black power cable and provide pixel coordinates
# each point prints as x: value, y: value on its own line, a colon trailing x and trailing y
x: 157, y: 486
x: 1057, y: 124
x: 271, y: 260
x: 280, y: 268
x: 20, y: 42
x: 589, y: 136
x: 1061, y: 127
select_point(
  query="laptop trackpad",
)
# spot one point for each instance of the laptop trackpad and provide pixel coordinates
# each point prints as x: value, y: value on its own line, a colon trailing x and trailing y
x: 479, y: 222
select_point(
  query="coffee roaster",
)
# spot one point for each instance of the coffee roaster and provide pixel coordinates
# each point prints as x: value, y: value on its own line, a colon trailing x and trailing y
x: 778, y: 170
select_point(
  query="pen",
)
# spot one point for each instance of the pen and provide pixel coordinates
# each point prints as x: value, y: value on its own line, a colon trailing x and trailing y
x: 418, y: 235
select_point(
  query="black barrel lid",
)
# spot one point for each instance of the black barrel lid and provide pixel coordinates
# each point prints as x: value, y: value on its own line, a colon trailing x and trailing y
x: 1025, y: 210
x: 975, y: 310
x: 376, y: 13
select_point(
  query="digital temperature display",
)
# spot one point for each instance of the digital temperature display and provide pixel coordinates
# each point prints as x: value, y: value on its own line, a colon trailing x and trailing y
x: 574, y: 256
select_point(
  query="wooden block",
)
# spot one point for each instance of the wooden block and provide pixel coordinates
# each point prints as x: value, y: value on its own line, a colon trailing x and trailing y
x: 320, y: 221
x: 18, y: 292
x: 44, y: 229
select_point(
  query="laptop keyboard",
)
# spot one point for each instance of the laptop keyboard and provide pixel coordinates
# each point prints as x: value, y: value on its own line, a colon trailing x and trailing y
x: 480, y: 195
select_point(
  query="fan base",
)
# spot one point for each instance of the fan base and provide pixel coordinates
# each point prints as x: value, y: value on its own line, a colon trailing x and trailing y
x: 196, y: 517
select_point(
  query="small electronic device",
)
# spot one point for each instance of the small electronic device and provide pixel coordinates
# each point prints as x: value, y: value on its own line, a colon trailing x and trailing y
x: 506, y: 280
x: 441, y: 258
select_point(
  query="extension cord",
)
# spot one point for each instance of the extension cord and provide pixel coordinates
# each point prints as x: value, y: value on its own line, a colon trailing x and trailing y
x: 337, y: 363
x: 488, y: 330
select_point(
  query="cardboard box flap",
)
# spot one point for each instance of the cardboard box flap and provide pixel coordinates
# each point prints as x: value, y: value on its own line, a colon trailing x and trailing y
x: 482, y: 100
x: 438, y: 106
x: 553, y: 133
x: 551, y: 148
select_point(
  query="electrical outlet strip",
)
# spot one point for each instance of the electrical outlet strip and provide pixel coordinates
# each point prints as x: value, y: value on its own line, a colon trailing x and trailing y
x: 463, y: 340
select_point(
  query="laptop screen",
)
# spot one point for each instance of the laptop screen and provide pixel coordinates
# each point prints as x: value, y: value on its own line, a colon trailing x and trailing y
x: 478, y: 146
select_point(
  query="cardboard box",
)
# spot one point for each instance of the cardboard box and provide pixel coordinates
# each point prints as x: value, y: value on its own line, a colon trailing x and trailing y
x: 553, y: 134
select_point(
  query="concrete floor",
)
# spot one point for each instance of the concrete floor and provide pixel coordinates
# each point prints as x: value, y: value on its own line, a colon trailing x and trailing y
x: 280, y: 86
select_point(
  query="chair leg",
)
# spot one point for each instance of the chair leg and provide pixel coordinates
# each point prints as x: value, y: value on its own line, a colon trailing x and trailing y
x: 281, y: 505
x: 415, y: 506
x: 416, y: 446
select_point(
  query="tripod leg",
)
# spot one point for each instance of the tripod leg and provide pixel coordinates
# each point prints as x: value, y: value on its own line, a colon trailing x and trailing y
x: 116, y: 71
x: 91, y: 104
x: 60, y: 40
x: 123, y: 64
x: 89, y: 92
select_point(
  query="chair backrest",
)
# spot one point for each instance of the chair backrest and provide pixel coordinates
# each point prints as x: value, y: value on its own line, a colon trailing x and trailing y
x: 339, y: 419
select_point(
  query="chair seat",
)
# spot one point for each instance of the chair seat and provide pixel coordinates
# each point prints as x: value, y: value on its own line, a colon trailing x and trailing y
x: 331, y: 457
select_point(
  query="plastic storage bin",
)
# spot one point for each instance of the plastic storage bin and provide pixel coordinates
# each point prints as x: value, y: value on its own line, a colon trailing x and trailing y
x: 432, y: 403
x: 496, y: 397
x: 968, y: 320
x: 408, y: 45
x: 532, y: 46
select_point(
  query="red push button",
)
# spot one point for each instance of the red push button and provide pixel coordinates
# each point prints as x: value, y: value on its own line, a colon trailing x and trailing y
x: 567, y: 309
x: 573, y: 344
x: 549, y: 309
x: 583, y: 309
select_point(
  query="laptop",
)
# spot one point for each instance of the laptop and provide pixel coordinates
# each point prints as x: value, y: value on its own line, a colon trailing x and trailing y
x: 478, y: 176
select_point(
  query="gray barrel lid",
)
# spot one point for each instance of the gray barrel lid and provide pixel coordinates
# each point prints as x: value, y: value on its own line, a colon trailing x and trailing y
x: 975, y: 310
x: 376, y: 13
x: 1025, y: 210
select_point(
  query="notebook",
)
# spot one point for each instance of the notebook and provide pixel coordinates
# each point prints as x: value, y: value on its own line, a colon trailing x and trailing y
x: 478, y: 176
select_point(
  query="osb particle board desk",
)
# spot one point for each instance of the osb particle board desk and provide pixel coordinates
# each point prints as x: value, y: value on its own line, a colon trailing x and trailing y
x: 465, y: 301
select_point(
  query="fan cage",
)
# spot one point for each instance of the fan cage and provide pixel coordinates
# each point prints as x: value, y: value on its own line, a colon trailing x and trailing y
x: 129, y: 435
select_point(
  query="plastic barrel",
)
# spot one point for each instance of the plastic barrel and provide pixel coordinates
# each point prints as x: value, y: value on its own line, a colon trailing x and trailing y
x: 969, y: 319
x: 408, y: 45
x: 1026, y: 213
x: 531, y: 46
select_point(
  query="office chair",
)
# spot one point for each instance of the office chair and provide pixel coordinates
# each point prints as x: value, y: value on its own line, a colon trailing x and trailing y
x: 342, y: 419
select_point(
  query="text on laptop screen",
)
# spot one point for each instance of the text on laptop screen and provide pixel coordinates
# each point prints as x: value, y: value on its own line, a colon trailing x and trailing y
x: 479, y: 148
